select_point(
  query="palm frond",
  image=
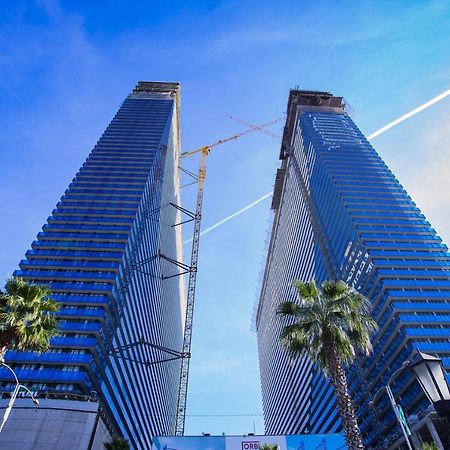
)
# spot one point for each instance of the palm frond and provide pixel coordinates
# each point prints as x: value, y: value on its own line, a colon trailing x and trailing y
x: 290, y: 331
x: 316, y: 352
x: 334, y: 289
x: 27, y: 320
x: 297, y: 345
x: 288, y: 309
x: 308, y: 291
x: 333, y: 306
x: 344, y: 347
x: 301, y: 313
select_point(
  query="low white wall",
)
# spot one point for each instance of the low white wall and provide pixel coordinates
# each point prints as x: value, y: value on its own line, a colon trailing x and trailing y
x: 52, y: 425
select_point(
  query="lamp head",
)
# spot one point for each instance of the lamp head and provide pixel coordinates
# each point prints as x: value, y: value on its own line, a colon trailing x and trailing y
x: 431, y: 376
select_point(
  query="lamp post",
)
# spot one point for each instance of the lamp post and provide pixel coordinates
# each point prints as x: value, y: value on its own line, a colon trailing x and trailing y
x: 14, y: 396
x: 430, y: 374
x: 396, y: 408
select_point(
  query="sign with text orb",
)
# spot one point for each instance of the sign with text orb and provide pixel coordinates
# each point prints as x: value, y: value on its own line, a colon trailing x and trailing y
x: 289, y: 442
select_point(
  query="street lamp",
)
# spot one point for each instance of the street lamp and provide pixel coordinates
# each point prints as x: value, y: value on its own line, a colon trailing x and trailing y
x: 14, y: 396
x: 396, y: 408
x: 430, y: 374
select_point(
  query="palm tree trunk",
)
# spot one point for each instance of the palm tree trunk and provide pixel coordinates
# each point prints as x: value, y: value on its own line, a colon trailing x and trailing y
x: 6, y: 337
x: 3, y: 350
x: 346, y: 410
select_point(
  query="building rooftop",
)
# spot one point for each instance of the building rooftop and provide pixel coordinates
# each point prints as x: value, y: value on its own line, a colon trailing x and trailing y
x: 307, y: 100
x: 157, y: 87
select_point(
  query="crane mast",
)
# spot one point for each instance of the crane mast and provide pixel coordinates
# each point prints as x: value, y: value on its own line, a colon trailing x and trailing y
x: 187, y: 338
x: 184, y: 371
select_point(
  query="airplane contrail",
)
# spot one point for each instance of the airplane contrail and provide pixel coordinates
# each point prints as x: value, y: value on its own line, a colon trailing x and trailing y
x: 232, y: 216
x: 415, y: 111
x: 376, y: 133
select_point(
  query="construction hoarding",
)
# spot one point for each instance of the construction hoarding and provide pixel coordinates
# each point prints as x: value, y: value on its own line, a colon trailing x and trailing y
x: 289, y: 442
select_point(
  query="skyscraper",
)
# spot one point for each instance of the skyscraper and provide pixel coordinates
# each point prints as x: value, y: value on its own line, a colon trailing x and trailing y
x: 339, y: 212
x: 108, y: 252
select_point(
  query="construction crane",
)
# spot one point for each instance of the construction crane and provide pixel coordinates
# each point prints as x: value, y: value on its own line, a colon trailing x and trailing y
x: 248, y: 124
x: 186, y: 350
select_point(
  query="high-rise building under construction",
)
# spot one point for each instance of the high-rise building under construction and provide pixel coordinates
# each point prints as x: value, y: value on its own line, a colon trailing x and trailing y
x: 108, y: 252
x: 339, y: 212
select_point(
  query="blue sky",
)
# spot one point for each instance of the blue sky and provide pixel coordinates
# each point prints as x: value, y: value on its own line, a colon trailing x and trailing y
x: 67, y: 66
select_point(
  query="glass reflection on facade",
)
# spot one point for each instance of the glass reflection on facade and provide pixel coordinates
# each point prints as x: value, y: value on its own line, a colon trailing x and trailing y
x: 105, y: 252
x: 340, y: 212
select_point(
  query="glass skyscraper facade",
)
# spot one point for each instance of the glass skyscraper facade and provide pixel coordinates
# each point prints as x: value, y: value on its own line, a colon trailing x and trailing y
x: 339, y: 212
x: 107, y: 252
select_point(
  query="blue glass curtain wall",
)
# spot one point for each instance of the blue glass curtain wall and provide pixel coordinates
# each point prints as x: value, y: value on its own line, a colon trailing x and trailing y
x: 357, y: 224
x: 92, y: 253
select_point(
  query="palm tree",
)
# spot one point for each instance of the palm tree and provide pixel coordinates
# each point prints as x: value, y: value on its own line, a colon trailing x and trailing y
x: 269, y: 447
x: 332, y: 322
x: 430, y: 446
x: 117, y: 443
x: 26, y: 319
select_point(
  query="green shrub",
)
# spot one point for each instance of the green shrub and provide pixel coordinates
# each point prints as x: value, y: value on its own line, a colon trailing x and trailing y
x: 430, y: 446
